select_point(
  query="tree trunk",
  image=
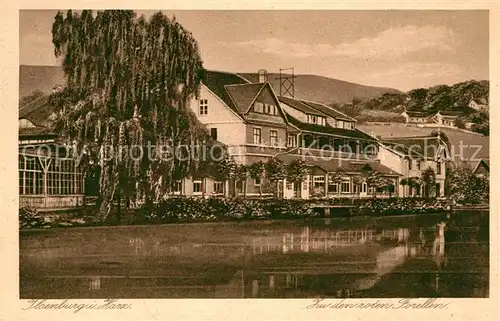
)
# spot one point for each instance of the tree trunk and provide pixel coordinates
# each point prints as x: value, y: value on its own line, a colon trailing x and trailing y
x: 119, y: 207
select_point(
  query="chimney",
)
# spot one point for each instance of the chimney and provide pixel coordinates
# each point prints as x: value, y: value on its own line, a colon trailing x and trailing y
x: 262, y: 76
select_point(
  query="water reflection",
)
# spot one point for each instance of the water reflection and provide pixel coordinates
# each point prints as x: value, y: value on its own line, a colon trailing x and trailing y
x: 439, y: 256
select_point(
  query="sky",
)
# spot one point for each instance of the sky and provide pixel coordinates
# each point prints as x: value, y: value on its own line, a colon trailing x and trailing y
x: 387, y: 48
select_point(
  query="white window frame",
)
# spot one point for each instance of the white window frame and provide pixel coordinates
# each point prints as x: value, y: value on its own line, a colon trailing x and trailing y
x: 319, y: 180
x: 261, y: 105
x: 218, y: 184
x: 291, y: 138
x: 273, y: 137
x: 203, y: 107
x: 348, y: 189
x: 196, y: 182
x: 257, y: 182
x: 177, y: 187
x: 259, y: 131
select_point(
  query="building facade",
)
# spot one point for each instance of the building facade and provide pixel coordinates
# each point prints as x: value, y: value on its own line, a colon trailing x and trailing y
x: 48, y: 179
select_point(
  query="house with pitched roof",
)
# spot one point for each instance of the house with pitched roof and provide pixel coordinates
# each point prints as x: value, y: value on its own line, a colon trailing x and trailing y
x: 446, y: 117
x: 416, y: 117
x: 257, y: 125
x: 415, y: 155
x: 479, y: 104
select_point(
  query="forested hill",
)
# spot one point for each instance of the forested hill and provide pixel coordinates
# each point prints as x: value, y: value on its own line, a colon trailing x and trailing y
x: 389, y: 106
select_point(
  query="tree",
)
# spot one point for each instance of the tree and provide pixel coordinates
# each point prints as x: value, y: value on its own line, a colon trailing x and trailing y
x: 429, y: 182
x: 461, y: 181
x: 275, y: 172
x: 415, y: 182
x: 404, y: 182
x: 128, y: 83
x: 296, y: 172
x: 225, y: 169
x: 241, y: 174
x: 459, y: 123
x: 256, y: 172
x: 377, y: 180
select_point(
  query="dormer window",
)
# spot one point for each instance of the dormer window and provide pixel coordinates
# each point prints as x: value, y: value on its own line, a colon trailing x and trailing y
x: 263, y: 108
x: 317, y: 120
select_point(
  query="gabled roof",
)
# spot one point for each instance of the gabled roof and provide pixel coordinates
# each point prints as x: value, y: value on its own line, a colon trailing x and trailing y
x: 217, y: 81
x: 450, y: 113
x: 412, y: 113
x: 243, y: 95
x: 300, y: 106
x: 36, y: 111
x: 328, y: 110
x: 480, y: 101
x: 348, y: 133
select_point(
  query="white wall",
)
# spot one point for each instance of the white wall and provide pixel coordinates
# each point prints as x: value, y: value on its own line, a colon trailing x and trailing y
x: 230, y: 127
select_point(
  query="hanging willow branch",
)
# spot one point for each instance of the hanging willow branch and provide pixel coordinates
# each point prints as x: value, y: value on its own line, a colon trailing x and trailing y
x: 128, y: 83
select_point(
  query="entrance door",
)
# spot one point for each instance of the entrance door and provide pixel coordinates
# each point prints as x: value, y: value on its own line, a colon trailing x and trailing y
x: 364, y: 189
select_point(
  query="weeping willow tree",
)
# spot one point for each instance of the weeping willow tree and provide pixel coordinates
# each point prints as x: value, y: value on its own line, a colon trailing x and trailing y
x: 125, y: 103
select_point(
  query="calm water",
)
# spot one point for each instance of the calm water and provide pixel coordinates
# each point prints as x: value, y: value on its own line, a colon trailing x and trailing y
x: 412, y: 256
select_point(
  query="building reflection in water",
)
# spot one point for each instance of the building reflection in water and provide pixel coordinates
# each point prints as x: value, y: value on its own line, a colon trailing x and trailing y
x: 293, y: 262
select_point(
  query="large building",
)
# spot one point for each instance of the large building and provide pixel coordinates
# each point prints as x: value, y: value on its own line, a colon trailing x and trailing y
x: 257, y: 125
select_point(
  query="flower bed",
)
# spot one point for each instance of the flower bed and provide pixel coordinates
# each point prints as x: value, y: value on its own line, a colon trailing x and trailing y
x: 185, y: 209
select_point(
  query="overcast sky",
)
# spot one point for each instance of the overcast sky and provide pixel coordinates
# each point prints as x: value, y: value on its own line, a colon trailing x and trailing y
x: 398, y: 49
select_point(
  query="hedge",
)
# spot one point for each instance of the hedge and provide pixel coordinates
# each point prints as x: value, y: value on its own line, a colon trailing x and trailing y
x: 185, y: 209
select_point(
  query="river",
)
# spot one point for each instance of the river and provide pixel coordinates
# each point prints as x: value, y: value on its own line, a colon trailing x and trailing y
x: 438, y: 255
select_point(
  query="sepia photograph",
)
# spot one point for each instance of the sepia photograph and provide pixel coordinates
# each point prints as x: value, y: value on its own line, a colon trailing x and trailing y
x: 225, y: 154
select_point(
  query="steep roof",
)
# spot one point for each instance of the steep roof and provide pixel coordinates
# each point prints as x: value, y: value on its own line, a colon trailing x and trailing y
x: 36, y: 111
x: 217, y: 81
x: 243, y: 95
x: 328, y: 110
x: 300, y: 106
x: 329, y: 130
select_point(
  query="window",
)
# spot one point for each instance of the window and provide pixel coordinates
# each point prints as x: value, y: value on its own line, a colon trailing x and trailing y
x: 345, y: 187
x: 292, y: 140
x: 319, y: 181
x: 312, y: 119
x: 363, y: 189
x: 438, y: 168
x: 333, y: 187
x: 273, y: 137
x: 257, y: 138
x: 256, y: 182
x: 218, y: 188
x: 418, y: 164
x: 197, y: 187
x: 213, y: 133
x: 177, y: 187
x: 258, y: 107
x: 203, y: 107
x: 410, y: 164
x: 340, y: 124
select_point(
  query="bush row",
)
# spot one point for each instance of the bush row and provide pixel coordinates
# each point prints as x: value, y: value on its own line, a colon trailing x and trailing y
x: 185, y: 209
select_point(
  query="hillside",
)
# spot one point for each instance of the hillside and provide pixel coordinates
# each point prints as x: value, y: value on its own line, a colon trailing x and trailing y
x: 454, y: 98
x: 324, y: 89
x: 308, y: 87
x: 39, y: 78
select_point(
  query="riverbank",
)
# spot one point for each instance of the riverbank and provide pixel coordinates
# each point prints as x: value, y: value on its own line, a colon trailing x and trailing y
x: 199, y: 210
